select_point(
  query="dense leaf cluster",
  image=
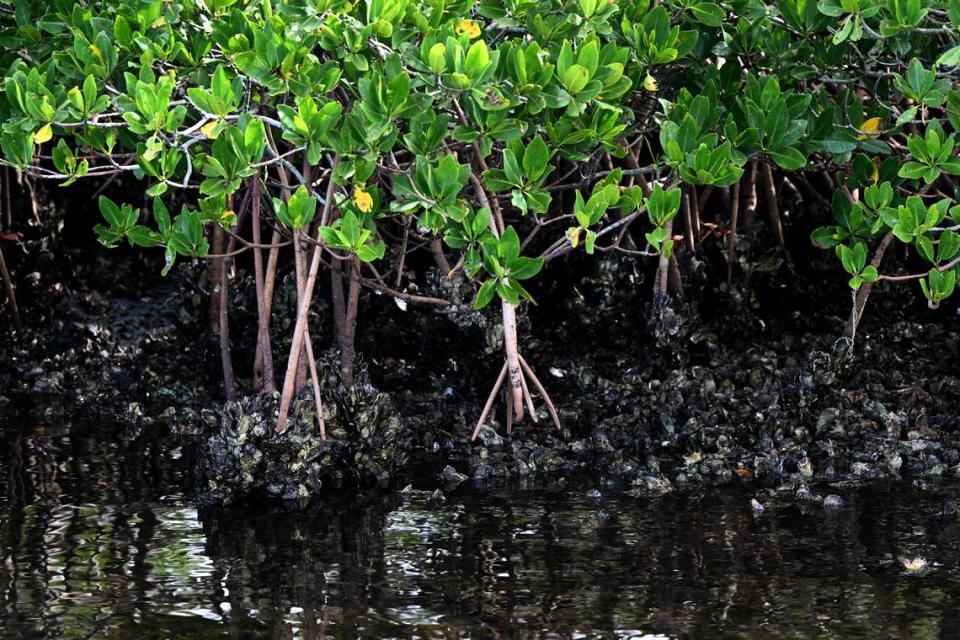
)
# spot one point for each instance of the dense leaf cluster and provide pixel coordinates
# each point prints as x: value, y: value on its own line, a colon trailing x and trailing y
x: 462, y: 120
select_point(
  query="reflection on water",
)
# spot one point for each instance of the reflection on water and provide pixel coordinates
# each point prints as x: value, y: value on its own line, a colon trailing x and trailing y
x: 101, y: 540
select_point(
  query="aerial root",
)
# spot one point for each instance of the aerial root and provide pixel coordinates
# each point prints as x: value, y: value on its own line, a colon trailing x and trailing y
x: 527, y: 372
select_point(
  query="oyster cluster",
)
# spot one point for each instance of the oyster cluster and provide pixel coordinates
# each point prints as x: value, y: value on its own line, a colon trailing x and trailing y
x: 243, y: 455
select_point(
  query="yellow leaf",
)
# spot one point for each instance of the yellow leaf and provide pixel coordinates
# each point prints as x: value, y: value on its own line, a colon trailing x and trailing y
x: 159, y: 22
x: 44, y: 134
x: 95, y: 50
x: 210, y: 129
x: 875, y: 175
x: 650, y: 83
x: 870, y: 128
x: 469, y: 27
x: 362, y: 199
x: 573, y: 235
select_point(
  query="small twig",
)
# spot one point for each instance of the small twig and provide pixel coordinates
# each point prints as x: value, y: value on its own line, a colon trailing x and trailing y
x: 918, y: 276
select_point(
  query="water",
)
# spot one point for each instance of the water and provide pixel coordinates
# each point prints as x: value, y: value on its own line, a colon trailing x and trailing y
x: 101, y: 540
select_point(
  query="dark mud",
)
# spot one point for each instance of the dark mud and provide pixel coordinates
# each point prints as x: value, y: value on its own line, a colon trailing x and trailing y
x: 740, y: 394
x: 723, y: 386
x: 106, y: 338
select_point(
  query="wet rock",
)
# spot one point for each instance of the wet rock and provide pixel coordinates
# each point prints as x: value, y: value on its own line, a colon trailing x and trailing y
x: 829, y: 473
x: 490, y: 438
x: 827, y: 419
x: 436, y: 499
x: 863, y: 471
x: 948, y: 509
x: 655, y: 485
x: 833, y: 501
x: 482, y: 472
x: 451, y: 478
x: 894, y: 462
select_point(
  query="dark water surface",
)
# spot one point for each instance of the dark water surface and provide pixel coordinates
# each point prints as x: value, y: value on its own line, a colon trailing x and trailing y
x: 101, y: 539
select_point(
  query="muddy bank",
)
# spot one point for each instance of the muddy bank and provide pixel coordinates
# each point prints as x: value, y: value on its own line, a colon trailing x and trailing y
x: 105, y: 338
x: 729, y: 385
x: 737, y: 394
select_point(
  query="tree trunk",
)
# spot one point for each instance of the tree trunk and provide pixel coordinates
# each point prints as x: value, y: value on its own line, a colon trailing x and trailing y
x: 223, y: 321
x: 339, y: 304
x: 663, y: 270
x: 269, y: 280
x: 513, y: 357
x: 348, y: 352
x: 264, y: 374
x: 300, y: 328
x: 436, y: 248
x: 300, y: 266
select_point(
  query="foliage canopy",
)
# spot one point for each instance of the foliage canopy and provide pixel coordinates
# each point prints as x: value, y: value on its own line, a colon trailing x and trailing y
x: 468, y: 121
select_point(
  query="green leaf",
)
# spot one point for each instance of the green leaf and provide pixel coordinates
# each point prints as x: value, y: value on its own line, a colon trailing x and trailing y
x: 485, y: 294
x: 437, y: 58
x: 350, y: 227
x: 161, y: 215
x: 916, y: 76
x: 524, y: 268
x: 949, y: 58
x: 590, y: 241
x: 511, y: 168
x: 708, y: 13
x: 110, y: 211
x: 912, y: 170
x: 478, y: 58
x: 535, y: 158
x: 509, y: 246
x: 949, y: 246
x: 142, y: 236
x: 925, y: 248
x: 254, y: 141
x: 825, y: 237
x: 776, y: 122
x: 788, y: 158
x: 508, y: 292
x: 589, y: 56
x: 575, y: 78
